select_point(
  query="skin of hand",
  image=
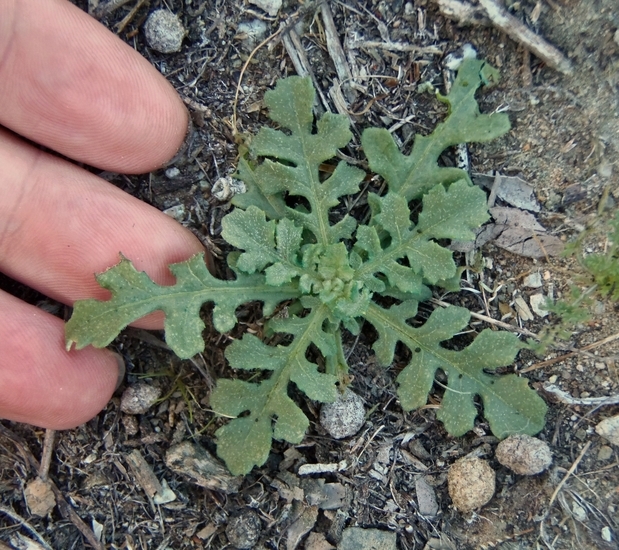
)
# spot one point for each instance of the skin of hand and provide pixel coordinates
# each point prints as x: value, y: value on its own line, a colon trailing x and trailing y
x: 69, y: 84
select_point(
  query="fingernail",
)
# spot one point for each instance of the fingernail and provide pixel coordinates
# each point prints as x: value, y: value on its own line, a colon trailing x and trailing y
x: 121, y: 370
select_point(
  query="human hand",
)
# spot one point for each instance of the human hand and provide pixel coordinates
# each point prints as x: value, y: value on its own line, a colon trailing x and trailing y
x: 71, y: 85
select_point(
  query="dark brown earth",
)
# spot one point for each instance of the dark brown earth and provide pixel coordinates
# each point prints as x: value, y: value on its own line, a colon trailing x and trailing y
x: 564, y: 142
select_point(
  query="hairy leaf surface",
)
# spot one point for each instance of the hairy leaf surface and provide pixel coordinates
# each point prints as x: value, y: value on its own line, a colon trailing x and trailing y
x: 450, y: 213
x: 292, y: 161
x: 413, y: 175
x: 135, y: 295
x: 509, y: 404
x: 246, y: 441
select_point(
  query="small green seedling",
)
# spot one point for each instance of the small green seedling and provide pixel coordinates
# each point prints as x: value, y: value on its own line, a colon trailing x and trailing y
x: 600, y: 275
x: 331, y: 273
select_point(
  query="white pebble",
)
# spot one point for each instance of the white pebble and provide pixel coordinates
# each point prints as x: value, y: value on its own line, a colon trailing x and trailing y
x: 177, y: 212
x: 140, y: 397
x: 164, y: 31
x: 534, y: 280
x: 172, y: 173
x: 538, y: 301
x: 269, y: 6
x: 343, y: 417
x: 609, y: 429
x: 225, y: 188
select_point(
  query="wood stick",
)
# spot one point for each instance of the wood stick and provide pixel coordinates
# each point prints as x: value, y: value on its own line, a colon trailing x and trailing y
x: 522, y: 34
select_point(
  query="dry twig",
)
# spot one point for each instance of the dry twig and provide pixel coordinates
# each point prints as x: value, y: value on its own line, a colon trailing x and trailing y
x: 46, y: 455
x: 548, y: 362
x: 569, y: 473
x: 566, y: 398
x: 522, y: 34
x: 492, y: 321
x: 510, y: 25
x: 18, y: 519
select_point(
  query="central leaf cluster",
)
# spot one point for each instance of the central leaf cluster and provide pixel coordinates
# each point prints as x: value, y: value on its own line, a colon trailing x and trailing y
x: 332, y: 279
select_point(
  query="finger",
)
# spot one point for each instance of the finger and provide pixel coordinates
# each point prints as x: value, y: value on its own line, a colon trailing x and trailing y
x: 41, y: 383
x: 68, y: 83
x: 59, y: 225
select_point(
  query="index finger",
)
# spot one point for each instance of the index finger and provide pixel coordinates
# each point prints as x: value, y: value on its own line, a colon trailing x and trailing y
x: 68, y: 83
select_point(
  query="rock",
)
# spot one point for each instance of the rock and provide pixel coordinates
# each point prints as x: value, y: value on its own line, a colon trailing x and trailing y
x: 40, y: 497
x: 197, y: 464
x: 356, y: 538
x: 605, y: 453
x: 269, y: 6
x: 426, y: 497
x: 534, y: 280
x: 176, y: 212
x: 326, y: 496
x: 164, y: 31
x: 225, y: 188
x: 524, y: 454
x: 138, y: 398
x: 306, y: 517
x: 538, y: 301
x: 343, y: 417
x: 172, y: 172
x: 471, y: 483
x: 609, y: 429
x: 252, y: 32
x: 244, y: 530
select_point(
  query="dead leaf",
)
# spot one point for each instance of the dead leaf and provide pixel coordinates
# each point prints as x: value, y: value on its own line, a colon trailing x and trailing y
x: 40, y: 497
x: 511, y: 190
x: 197, y: 464
x: 519, y: 232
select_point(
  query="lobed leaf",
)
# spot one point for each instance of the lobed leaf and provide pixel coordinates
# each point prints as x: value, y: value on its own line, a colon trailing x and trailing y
x: 509, y: 404
x: 135, y: 295
x: 413, y: 175
x: 292, y: 162
x: 450, y: 213
x: 246, y: 441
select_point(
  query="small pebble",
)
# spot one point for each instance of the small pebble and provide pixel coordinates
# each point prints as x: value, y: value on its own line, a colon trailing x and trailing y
x: 609, y: 429
x: 225, y: 188
x: 243, y: 531
x: 172, y: 173
x: 164, y: 31
x: 538, y: 301
x: 606, y: 532
x: 534, y: 280
x: 130, y: 424
x: 269, y: 6
x: 471, y: 483
x: 254, y: 32
x: 177, y: 212
x: 605, y: 453
x: 357, y: 538
x: 524, y: 454
x: 140, y: 397
x: 343, y: 417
